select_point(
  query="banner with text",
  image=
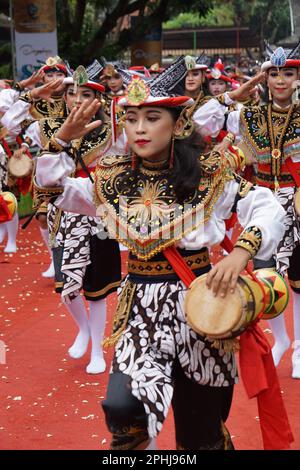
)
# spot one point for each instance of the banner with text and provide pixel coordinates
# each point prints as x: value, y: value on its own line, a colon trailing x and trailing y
x: 35, y: 34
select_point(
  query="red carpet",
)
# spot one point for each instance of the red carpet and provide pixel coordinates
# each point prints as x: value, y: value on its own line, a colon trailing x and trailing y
x: 47, y: 401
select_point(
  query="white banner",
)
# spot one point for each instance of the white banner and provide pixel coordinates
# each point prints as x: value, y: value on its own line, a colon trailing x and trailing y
x: 32, y: 49
x: 35, y: 34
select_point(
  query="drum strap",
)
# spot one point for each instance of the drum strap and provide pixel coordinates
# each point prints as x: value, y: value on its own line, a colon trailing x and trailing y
x: 179, y: 265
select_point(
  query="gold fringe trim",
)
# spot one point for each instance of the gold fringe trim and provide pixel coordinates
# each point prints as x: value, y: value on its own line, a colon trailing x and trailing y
x: 229, y: 345
x: 122, y: 313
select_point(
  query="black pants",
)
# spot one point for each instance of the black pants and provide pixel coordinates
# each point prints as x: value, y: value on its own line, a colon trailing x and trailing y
x: 199, y: 414
x: 102, y: 276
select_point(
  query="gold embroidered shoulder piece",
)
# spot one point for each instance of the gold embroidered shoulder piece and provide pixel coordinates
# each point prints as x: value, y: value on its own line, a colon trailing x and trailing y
x: 140, y: 208
x: 255, y: 132
x: 45, y: 109
x: 94, y: 144
x: 48, y: 127
x: 90, y: 147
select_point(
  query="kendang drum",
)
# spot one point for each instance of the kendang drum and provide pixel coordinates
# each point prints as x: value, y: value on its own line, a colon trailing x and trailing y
x: 8, y: 206
x: 228, y: 317
x: 20, y: 167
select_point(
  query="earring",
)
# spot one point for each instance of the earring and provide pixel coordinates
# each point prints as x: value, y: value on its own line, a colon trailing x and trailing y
x: 171, y: 163
x: 134, y: 162
x: 270, y: 95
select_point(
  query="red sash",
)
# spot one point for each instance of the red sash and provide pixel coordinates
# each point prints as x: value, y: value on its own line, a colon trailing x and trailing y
x: 257, y: 368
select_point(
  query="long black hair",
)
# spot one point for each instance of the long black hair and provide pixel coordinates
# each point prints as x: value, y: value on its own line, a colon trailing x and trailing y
x: 186, y: 172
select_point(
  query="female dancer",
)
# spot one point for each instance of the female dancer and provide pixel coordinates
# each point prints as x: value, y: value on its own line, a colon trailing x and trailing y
x: 269, y: 136
x: 82, y: 258
x: 151, y: 201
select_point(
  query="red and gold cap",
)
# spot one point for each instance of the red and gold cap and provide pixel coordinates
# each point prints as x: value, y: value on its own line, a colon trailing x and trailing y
x: 80, y: 78
x: 282, y: 58
x: 141, y: 93
x: 55, y: 63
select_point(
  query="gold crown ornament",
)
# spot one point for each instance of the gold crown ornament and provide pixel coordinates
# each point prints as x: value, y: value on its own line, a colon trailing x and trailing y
x: 190, y: 62
x: 137, y: 92
x: 52, y: 61
x: 80, y: 77
x: 216, y: 74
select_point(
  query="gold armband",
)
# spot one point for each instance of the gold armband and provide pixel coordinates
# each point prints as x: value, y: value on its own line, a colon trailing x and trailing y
x: 27, y: 97
x: 42, y: 194
x: 18, y: 87
x: 231, y: 137
x: 250, y: 240
x: 54, y: 146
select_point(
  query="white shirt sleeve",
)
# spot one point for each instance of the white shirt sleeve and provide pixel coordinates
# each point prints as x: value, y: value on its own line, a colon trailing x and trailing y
x: 233, y: 123
x: 210, y: 118
x: 77, y: 197
x: 14, y: 117
x: 8, y: 97
x: 34, y: 133
x: 54, y: 170
x: 258, y: 208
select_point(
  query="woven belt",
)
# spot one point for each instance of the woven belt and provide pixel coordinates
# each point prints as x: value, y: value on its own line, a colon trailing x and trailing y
x: 162, y: 268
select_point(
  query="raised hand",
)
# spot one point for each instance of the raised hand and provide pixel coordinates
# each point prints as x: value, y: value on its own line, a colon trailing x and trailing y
x: 4, y: 83
x: 19, y: 152
x: 78, y: 123
x: 244, y: 91
x: 46, y: 91
x: 32, y: 80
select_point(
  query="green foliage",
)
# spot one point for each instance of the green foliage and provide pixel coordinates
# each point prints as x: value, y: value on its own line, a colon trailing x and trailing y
x: 270, y: 19
x: 5, y: 61
x: 90, y: 28
x: 218, y: 16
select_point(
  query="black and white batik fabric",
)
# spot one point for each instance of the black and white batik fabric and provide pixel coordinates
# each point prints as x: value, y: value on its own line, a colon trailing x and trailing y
x: 291, y: 237
x: 156, y: 333
x: 3, y: 169
x: 78, y: 231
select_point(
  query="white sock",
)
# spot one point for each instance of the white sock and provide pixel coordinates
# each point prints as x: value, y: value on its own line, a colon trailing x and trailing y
x: 296, y: 345
x: 12, y: 230
x: 78, y: 311
x: 97, y: 328
x: 282, y: 341
x: 2, y: 231
x: 50, y: 272
x: 152, y: 444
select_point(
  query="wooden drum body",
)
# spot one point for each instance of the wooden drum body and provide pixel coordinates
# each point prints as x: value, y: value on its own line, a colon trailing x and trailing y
x: 20, y: 167
x: 228, y: 317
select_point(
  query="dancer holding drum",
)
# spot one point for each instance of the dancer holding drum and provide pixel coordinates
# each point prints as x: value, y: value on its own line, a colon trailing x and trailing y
x: 269, y: 136
x: 165, y: 194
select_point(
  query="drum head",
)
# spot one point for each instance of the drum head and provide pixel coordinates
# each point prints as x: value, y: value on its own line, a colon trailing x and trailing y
x: 209, y: 315
x: 20, y: 167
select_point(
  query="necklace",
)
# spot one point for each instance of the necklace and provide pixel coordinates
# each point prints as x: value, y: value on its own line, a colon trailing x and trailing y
x: 277, y: 149
x: 160, y: 164
x: 56, y: 108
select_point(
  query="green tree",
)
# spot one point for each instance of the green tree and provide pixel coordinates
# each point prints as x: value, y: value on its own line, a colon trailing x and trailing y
x: 267, y: 18
x: 89, y: 28
x: 219, y: 15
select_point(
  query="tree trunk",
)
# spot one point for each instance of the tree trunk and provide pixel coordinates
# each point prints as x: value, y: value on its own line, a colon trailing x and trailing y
x: 78, y: 19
